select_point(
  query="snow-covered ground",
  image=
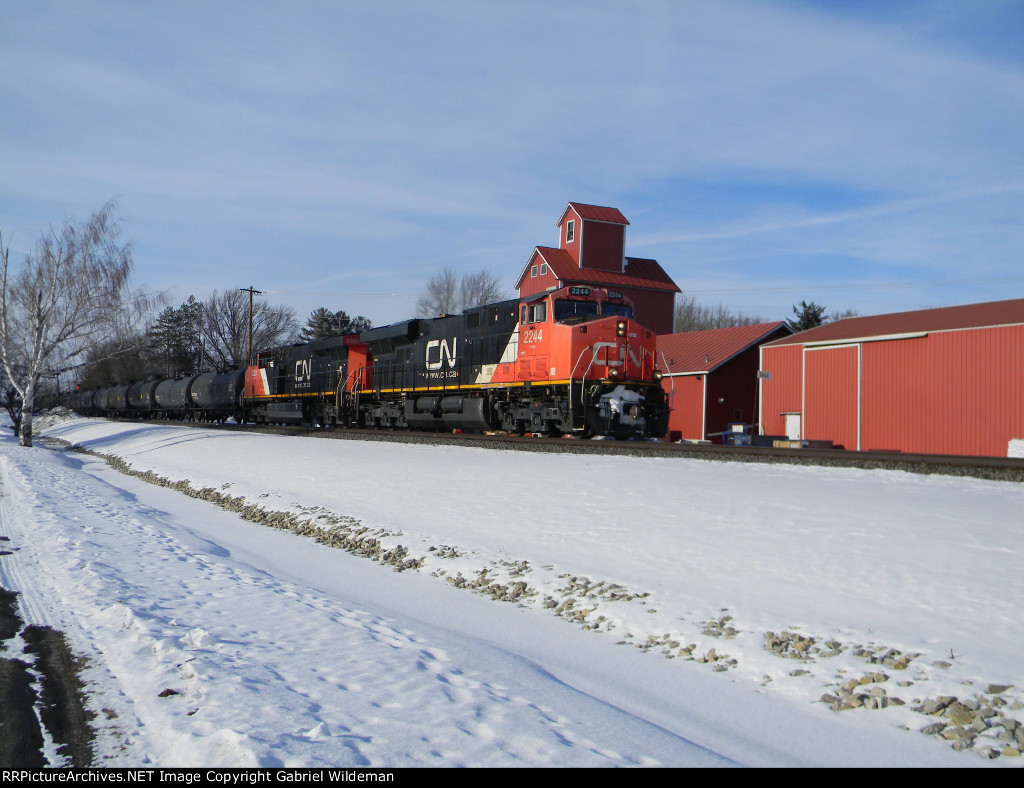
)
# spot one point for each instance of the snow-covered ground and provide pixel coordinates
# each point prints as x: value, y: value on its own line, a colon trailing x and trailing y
x: 639, y: 639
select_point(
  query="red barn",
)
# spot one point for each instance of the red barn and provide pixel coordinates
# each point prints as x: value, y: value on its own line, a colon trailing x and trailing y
x: 935, y: 381
x: 591, y: 252
x: 712, y: 377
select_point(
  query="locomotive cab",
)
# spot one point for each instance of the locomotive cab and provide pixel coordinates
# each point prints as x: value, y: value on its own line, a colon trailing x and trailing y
x: 580, y: 333
x: 597, y: 360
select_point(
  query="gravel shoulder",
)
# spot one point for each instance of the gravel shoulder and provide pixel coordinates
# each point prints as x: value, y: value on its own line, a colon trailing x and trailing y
x: 42, y: 697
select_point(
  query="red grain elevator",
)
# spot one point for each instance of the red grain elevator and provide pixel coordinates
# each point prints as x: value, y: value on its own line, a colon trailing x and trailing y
x: 591, y: 252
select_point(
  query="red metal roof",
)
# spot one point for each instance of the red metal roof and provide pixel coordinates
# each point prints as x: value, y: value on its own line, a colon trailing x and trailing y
x: 558, y: 260
x: 639, y: 273
x: 704, y: 351
x: 949, y: 318
x: 597, y: 213
x: 646, y: 273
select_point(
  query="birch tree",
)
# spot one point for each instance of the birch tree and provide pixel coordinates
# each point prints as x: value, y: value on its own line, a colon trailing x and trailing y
x: 70, y: 294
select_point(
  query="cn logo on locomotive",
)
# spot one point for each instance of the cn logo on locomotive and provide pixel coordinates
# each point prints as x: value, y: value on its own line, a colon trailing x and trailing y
x: 443, y: 353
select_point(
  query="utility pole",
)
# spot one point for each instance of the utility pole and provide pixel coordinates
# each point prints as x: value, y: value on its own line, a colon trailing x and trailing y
x: 252, y: 292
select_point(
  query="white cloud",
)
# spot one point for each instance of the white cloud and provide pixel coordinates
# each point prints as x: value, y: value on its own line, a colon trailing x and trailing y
x: 430, y: 130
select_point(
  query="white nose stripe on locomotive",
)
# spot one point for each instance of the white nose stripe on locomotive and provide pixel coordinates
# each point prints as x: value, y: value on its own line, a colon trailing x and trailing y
x: 611, y: 362
x: 508, y: 356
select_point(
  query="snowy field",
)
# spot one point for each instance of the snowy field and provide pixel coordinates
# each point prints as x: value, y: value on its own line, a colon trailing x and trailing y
x: 639, y: 637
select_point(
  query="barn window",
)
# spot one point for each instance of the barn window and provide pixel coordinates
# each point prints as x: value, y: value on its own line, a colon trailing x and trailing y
x: 543, y: 268
x: 533, y: 272
x: 570, y: 231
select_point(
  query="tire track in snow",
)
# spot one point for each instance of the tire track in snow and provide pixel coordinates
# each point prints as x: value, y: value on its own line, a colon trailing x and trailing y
x: 332, y: 685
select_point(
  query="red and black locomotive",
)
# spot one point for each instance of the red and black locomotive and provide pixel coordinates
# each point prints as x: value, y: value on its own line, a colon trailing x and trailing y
x: 572, y: 361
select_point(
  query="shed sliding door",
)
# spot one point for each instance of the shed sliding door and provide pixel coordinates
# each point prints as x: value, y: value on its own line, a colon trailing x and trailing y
x: 832, y: 395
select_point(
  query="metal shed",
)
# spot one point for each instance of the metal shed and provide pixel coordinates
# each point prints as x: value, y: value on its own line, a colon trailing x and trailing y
x: 712, y: 377
x: 935, y: 381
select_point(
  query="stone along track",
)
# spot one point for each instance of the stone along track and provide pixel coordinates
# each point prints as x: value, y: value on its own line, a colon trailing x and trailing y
x: 993, y: 468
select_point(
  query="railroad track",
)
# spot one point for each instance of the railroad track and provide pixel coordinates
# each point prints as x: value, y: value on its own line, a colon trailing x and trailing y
x: 995, y: 468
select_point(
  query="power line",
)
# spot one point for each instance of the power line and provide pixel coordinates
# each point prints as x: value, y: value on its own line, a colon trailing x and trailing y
x: 865, y: 286
x: 346, y: 293
x: 726, y: 290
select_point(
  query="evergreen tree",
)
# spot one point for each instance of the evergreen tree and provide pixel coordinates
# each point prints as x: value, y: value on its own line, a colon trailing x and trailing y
x: 323, y: 323
x: 175, y: 340
x: 808, y: 316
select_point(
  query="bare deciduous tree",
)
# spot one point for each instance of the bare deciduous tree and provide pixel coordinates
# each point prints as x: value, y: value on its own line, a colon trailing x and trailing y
x: 446, y: 294
x: 842, y: 314
x: 480, y: 288
x: 70, y: 295
x: 101, y: 367
x: 441, y: 295
x: 226, y: 327
x: 691, y: 316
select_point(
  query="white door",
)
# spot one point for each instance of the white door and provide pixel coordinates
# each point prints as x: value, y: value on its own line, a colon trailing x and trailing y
x: 793, y: 426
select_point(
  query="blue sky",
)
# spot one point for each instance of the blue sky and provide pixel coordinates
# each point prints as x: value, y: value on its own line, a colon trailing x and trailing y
x: 865, y: 155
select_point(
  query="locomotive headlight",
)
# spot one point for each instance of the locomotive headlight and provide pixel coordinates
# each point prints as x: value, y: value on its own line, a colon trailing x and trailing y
x: 620, y: 328
x: 658, y: 375
x: 613, y: 373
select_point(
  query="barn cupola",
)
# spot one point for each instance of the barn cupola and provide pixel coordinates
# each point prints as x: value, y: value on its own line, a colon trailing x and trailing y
x: 594, y: 236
